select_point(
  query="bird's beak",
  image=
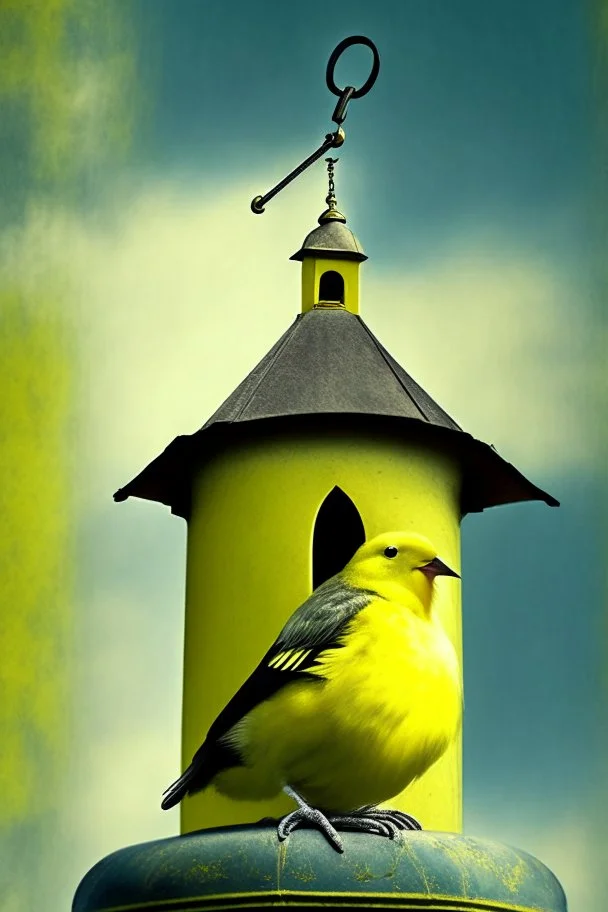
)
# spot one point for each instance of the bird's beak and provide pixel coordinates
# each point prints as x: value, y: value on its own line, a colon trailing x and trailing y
x: 436, y: 567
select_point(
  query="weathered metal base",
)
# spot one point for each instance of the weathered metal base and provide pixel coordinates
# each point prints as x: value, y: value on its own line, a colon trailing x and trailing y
x: 247, y: 867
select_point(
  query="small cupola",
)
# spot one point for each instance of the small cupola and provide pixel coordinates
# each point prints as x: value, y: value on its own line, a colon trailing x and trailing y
x: 330, y: 257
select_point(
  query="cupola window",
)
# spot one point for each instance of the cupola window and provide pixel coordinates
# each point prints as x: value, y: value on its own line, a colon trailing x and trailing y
x: 338, y: 533
x: 331, y: 289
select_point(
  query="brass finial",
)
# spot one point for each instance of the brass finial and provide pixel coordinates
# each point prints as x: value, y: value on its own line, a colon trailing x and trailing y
x: 331, y: 214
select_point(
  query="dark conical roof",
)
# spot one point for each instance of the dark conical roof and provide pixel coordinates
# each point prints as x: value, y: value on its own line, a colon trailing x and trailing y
x: 328, y: 361
x: 329, y: 366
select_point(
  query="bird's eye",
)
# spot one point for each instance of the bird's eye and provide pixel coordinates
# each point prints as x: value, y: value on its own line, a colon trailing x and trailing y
x: 391, y: 551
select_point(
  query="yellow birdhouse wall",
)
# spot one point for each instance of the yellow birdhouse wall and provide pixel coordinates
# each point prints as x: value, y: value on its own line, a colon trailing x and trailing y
x: 250, y: 564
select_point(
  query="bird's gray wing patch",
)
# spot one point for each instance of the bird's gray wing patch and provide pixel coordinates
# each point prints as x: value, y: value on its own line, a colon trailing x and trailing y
x: 322, y: 617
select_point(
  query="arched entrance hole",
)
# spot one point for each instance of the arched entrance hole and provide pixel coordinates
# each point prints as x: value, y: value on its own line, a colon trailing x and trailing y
x: 338, y: 532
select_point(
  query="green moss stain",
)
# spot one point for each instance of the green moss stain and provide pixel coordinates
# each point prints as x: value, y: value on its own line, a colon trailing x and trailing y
x: 514, y: 877
x: 363, y: 874
x: 208, y: 872
x: 304, y: 873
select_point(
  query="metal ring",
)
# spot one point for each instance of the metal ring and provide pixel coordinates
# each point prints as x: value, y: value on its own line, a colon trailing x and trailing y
x: 331, y: 65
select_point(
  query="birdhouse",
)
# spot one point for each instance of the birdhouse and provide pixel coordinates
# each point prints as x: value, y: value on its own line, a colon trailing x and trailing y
x: 326, y: 443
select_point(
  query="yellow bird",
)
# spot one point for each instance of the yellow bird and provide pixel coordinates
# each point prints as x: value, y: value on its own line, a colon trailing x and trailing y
x: 358, y: 696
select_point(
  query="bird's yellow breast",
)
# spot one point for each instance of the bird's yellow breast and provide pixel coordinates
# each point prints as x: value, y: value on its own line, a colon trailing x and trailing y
x: 394, y: 663
x: 387, y: 705
x: 394, y: 697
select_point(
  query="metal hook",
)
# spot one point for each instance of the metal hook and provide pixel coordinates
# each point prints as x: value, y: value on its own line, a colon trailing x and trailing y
x: 332, y: 140
x: 349, y: 92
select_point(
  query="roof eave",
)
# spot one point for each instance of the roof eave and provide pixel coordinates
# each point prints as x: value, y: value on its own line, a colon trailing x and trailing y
x: 488, y: 479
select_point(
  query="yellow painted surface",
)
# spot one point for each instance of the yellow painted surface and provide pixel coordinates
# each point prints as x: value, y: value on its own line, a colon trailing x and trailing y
x: 312, y: 270
x: 250, y: 565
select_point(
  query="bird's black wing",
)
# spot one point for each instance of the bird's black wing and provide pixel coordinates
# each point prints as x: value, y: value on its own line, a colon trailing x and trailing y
x: 314, y: 627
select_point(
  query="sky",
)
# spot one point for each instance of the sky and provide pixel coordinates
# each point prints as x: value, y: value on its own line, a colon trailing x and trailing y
x: 137, y: 290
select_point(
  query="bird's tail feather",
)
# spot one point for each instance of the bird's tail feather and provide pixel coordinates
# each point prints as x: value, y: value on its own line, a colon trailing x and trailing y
x: 207, y: 761
x: 174, y: 794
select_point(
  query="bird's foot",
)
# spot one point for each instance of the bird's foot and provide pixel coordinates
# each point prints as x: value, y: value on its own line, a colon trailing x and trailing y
x: 305, y: 814
x: 368, y: 819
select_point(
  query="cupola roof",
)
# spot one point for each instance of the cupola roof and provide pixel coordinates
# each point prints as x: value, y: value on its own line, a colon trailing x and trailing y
x: 331, y: 239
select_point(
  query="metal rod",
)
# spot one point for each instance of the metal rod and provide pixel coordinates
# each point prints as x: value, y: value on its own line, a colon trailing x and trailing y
x: 332, y: 141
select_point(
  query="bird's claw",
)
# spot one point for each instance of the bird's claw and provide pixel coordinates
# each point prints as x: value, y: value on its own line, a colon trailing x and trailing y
x: 312, y: 816
x: 367, y: 824
x: 370, y: 819
x: 400, y: 819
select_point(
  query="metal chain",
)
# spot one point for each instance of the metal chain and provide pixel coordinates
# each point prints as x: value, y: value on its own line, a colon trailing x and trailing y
x: 331, y: 196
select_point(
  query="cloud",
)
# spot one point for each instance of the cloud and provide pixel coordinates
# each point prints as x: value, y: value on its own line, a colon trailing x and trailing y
x: 181, y: 291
